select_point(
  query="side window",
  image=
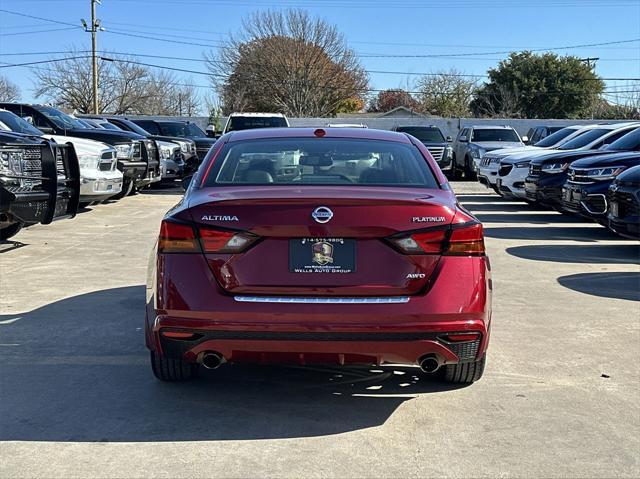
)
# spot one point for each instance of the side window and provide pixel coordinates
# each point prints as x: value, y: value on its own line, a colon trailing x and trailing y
x: 150, y: 126
x: 40, y: 121
x: 536, y: 135
x: 464, y: 132
x: 611, y: 139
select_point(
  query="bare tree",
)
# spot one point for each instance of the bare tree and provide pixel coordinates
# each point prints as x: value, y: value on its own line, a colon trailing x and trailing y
x: 123, y: 87
x: 287, y: 62
x: 446, y: 94
x: 8, y: 91
x: 500, y: 102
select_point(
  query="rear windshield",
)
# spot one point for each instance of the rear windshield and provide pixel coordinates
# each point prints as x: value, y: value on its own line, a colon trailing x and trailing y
x: 585, y: 139
x: 250, y: 122
x: 555, y: 137
x: 432, y: 135
x: 327, y: 161
x: 181, y: 130
x: 499, y: 134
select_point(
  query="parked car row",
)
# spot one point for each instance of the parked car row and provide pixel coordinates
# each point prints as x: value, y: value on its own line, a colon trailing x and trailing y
x: 587, y: 170
x: 51, y: 162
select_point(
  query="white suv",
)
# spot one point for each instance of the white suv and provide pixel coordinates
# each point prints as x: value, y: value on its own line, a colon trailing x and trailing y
x: 490, y: 162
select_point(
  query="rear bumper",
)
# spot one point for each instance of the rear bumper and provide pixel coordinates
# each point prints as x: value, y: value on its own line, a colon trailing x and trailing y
x: 258, y: 331
x: 329, y: 346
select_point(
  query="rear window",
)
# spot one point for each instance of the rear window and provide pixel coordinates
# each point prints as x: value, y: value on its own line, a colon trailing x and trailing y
x: 250, y: 122
x: 326, y: 161
x: 432, y: 135
x: 499, y: 134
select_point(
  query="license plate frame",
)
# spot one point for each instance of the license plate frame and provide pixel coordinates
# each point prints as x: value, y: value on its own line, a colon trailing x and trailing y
x: 322, y: 256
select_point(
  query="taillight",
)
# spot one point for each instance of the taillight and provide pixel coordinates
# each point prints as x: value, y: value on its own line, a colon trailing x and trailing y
x: 466, y: 239
x: 424, y: 242
x: 184, y: 238
x: 218, y: 241
x: 177, y: 238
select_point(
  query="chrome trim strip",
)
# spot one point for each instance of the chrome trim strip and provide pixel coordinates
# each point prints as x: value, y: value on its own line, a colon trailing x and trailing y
x: 323, y: 300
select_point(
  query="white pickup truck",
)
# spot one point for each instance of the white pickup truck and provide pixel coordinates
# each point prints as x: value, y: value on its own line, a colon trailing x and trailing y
x: 99, y: 177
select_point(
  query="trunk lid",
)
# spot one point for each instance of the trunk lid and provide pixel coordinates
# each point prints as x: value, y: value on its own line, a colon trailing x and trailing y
x: 297, y: 255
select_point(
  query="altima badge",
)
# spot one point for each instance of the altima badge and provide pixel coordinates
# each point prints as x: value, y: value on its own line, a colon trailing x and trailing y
x: 428, y: 219
x: 220, y: 218
x: 322, y: 214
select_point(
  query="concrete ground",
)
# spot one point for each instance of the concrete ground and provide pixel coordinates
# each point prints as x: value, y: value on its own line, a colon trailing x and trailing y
x: 560, y: 396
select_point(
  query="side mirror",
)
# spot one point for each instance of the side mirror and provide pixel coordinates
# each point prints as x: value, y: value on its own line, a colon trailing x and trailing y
x: 449, y: 139
x: 463, y: 139
x: 525, y: 139
x: 211, y: 133
x: 186, y: 181
x: 28, y: 119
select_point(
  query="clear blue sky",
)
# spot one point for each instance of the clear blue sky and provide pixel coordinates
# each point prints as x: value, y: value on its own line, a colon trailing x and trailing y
x: 400, y: 27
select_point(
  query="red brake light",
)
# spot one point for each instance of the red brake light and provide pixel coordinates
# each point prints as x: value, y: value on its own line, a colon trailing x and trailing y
x: 466, y: 240
x: 177, y: 238
x: 183, y: 238
x: 460, y: 240
x: 218, y: 241
x: 424, y: 242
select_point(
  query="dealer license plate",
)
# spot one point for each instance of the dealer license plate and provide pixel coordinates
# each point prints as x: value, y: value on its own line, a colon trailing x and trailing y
x: 322, y: 255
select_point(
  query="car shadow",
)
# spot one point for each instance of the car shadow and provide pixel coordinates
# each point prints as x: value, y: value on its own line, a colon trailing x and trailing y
x: 10, y: 245
x: 78, y: 370
x: 606, y: 285
x: 546, y: 218
x: 503, y: 206
x: 487, y: 198
x: 163, y: 189
x: 552, y: 233
x: 596, y: 254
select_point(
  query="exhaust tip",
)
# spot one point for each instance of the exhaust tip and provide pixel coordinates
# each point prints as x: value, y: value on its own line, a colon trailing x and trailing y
x: 211, y: 360
x: 429, y: 363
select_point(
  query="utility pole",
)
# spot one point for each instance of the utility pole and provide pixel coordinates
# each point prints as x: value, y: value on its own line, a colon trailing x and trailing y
x: 589, y: 60
x: 95, y: 26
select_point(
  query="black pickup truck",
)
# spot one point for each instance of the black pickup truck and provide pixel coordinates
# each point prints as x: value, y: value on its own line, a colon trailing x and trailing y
x: 180, y: 129
x: 187, y: 146
x: 39, y: 182
x: 138, y: 157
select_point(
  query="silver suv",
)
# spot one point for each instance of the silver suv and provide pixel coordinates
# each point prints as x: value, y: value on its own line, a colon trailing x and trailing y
x: 474, y: 141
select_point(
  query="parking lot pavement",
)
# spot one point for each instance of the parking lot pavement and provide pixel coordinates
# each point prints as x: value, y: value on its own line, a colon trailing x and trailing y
x: 559, y: 397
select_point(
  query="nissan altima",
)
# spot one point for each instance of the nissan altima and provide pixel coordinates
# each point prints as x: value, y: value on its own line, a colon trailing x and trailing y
x: 327, y: 246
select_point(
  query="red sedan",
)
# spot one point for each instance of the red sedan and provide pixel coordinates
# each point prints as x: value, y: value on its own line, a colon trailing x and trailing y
x: 341, y: 246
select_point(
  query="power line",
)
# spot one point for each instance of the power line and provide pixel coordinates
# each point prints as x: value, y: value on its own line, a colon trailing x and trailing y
x: 37, y: 31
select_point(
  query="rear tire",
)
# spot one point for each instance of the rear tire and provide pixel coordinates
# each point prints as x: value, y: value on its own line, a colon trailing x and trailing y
x: 464, y: 373
x: 172, y: 370
x: 127, y: 186
x: 469, y: 174
x: 9, y: 231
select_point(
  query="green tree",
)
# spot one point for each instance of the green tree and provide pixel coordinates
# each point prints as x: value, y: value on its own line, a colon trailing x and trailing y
x: 539, y: 86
